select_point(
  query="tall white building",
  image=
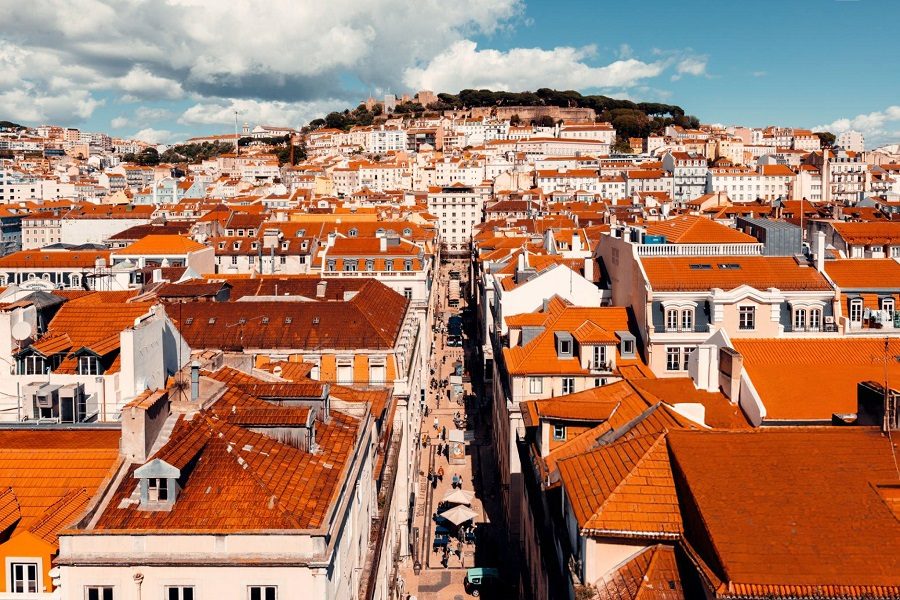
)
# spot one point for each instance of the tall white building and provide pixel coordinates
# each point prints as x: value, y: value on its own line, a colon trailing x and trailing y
x: 853, y: 141
x: 458, y: 209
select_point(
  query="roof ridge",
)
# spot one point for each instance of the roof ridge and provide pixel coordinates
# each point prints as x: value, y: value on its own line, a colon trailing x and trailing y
x: 637, y: 463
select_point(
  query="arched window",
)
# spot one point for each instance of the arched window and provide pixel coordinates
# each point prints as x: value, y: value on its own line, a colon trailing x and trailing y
x: 687, y: 319
x: 815, y: 319
x: 799, y: 319
x: 672, y: 320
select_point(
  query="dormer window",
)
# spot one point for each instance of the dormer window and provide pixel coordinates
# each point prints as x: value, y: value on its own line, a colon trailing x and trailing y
x: 627, y: 344
x: 157, y: 485
x: 353, y: 233
x: 236, y: 246
x: 564, y: 344
x: 89, y: 365
x: 254, y: 245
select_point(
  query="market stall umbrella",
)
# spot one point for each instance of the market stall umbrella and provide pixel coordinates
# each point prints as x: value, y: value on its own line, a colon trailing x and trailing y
x: 458, y: 497
x: 459, y: 514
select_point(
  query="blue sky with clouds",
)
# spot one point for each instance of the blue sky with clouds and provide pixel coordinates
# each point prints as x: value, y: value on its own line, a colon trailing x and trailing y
x: 163, y: 70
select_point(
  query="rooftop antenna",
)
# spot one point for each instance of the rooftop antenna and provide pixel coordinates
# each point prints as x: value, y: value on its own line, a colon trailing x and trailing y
x: 237, y: 146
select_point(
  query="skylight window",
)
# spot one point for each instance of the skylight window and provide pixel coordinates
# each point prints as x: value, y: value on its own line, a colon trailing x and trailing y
x: 265, y: 320
x: 729, y: 266
x: 189, y: 320
x: 212, y: 320
x: 701, y: 267
x: 287, y: 320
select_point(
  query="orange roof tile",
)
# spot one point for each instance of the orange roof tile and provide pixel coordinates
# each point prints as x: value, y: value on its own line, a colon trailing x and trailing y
x: 811, y: 379
x: 159, y: 244
x: 876, y: 274
x: 624, y: 489
x: 651, y: 574
x: 729, y: 272
x: 777, y: 513
x: 689, y: 229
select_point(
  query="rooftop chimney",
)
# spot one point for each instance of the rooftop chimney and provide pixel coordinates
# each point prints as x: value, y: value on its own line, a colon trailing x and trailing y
x: 382, y: 244
x: 195, y: 381
x: 820, y: 251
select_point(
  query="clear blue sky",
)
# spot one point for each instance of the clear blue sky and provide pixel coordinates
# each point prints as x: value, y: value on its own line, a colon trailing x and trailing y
x: 163, y: 70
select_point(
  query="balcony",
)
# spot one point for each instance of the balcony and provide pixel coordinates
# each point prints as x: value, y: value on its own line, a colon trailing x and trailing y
x: 699, y: 249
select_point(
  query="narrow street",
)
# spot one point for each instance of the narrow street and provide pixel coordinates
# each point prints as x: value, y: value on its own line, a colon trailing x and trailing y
x: 454, y: 412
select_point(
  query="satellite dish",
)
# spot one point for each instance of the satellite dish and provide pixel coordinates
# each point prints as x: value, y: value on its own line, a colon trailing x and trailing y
x: 21, y: 331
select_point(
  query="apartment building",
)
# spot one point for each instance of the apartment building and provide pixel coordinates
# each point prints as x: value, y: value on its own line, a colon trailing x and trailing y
x: 458, y: 209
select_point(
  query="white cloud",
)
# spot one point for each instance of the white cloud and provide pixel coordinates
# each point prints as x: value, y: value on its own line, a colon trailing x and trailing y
x: 464, y: 65
x: 157, y: 136
x: 140, y: 83
x: 759, y: 73
x: 118, y: 122
x: 293, y: 114
x: 690, y: 65
x: 879, y: 127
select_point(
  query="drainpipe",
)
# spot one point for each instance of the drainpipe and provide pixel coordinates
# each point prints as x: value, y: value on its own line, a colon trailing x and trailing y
x: 138, y: 580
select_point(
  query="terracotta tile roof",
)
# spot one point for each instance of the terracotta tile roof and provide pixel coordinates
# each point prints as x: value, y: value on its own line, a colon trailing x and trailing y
x: 43, y: 466
x: 539, y: 355
x: 594, y: 404
x: 61, y: 514
x: 371, y: 319
x: 688, y: 229
x: 239, y: 480
x: 789, y: 513
x: 9, y: 509
x: 704, y: 273
x: 720, y: 412
x: 813, y: 378
x: 868, y: 232
x: 159, y: 244
x: 873, y: 273
x: 651, y: 574
x: 624, y: 489
x: 54, y: 259
x: 86, y: 324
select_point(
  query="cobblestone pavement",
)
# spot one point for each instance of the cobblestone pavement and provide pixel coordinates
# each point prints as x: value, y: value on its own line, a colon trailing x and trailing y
x: 435, y: 576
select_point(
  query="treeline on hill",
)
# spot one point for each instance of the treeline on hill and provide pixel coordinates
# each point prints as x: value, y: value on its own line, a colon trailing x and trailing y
x: 631, y: 119
x: 195, y: 153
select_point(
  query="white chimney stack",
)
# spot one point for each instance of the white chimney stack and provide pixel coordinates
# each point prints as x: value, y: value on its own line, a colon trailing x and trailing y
x: 820, y: 251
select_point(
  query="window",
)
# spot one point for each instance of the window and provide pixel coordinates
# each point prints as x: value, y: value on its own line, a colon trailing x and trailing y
x: 407, y: 293
x: 815, y: 319
x: 407, y: 265
x: 88, y: 365
x: 685, y: 355
x: 887, y: 304
x: 559, y: 432
x: 568, y: 385
x: 747, y: 318
x: 535, y: 385
x: 234, y: 259
x: 799, y: 319
x: 673, y: 359
x: 565, y: 347
x: 345, y: 370
x: 263, y: 592
x: 157, y: 489
x: 388, y: 265
x: 179, y: 592
x: 671, y: 320
x: 23, y: 577
x: 32, y: 365
x: 599, y: 357
x: 94, y: 592
x: 856, y: 310
x: 349, y: 265
x: 687, y: 319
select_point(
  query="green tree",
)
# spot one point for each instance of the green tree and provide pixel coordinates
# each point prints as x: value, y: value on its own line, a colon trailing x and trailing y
x: 826, y: 138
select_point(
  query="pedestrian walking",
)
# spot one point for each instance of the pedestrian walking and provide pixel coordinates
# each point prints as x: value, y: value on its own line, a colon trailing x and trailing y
x: 436, y: 423
x: 441, y: 473
x: 444, y: 433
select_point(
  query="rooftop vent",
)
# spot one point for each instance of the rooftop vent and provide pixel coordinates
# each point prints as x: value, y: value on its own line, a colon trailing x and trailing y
x: 287, y: 320
x: 265, y: 320
x: 212, y: 320
x: 315, y: 320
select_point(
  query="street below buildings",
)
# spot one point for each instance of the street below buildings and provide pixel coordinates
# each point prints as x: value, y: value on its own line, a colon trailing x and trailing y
x: 456, y: 470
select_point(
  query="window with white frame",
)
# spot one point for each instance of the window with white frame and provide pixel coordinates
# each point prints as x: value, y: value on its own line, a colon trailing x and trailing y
x: 98, y: 592
x: 672, y: 319
x: 685, y: 357
x: 799, y: 319
x: 599, y: 357
x: 535, y: 385
x: 89, y: 365
x: 377, y: 370
x: 856, y: 310
x: 23, y: 577
x: 262, y: 592
x: 559, y: 432
x: 815, y: 319
x: 673, y: 358
x: 746, y: 318
x: 887, y: 305
x: 687, y: 319
x: 157, y: 489
x: 179, y: 592
x: 345, y: 370
x: 568, y: 385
